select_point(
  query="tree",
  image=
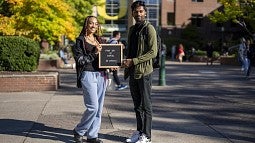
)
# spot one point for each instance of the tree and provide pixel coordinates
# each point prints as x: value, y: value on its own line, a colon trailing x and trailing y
x: 37, y: 19
x: 241, y: 12
x: 82, y: 9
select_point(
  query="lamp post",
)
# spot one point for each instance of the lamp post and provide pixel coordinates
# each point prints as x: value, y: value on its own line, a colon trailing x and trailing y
x: 162, y: 70
x: 222, y: 36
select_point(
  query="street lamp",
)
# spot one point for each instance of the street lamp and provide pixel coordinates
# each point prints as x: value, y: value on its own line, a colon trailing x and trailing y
x: 222, y: 36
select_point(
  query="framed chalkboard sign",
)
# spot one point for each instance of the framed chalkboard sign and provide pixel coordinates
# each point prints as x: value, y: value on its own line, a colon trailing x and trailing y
x: 110, y: 56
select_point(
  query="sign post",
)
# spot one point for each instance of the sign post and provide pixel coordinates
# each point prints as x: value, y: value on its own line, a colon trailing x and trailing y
x: 111, y: 56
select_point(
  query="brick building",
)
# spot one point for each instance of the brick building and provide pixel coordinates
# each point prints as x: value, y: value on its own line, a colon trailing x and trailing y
x: 171, y: 17
x: 113, y: 8
x: 177, y: 14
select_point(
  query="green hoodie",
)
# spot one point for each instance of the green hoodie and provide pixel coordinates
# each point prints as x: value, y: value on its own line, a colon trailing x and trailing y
x: 147, y: 50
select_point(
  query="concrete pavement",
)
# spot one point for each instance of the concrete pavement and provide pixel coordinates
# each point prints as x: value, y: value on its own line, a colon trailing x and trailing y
x: 199, y: 104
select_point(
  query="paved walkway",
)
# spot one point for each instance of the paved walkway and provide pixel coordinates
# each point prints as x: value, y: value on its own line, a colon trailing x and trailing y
x: 199, y: 104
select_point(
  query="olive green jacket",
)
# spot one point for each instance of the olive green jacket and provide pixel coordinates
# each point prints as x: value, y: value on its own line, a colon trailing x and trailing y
x: 147, y: 50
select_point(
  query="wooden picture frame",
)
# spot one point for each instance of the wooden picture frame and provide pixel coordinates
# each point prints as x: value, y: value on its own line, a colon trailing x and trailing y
x: 111, y: 56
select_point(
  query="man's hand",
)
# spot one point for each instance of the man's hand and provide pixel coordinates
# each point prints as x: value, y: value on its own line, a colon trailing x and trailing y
x: 128, y: 63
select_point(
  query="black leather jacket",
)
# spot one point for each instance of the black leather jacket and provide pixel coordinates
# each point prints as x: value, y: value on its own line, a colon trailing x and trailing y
x: 83, y: 58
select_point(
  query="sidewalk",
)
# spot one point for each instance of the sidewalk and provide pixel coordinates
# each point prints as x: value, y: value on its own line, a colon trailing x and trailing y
x: 199, y: 104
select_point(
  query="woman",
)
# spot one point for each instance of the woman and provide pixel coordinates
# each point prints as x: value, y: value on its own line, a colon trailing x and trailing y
x: 91, y: 79
x: 181, y: 53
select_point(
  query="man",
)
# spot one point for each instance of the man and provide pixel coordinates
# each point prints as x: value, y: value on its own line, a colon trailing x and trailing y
x: 115, y: 40
x: 63, y: 56
x: 250, y: 57
x: 209, y: 53
x: 139, y: 67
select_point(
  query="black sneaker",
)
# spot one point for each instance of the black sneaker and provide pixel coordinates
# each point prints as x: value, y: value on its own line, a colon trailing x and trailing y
x: 94, y: 140
x: 77, y: 138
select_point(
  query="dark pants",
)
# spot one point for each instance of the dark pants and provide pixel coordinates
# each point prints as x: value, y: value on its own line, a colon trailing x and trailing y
x: 141, y: 93
x: 249, y: 67
x: 115, y: 77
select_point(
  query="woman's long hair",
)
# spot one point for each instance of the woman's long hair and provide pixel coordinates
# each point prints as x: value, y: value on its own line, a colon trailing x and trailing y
x: 84, y: 29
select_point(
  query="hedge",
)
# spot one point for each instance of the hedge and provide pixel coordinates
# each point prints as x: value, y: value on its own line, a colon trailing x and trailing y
x: 18, y: 54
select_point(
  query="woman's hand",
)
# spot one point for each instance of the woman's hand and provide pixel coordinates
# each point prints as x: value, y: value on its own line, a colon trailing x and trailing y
x: 98, y: 48
x: 114, y: 69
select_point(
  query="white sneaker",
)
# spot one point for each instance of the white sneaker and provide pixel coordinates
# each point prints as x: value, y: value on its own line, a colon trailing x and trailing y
x: 143, y: 139
x: 134, y: 138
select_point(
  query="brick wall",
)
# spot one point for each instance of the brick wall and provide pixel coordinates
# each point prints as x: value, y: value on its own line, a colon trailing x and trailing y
x: 166, y: 6
x: 184, y: 10
x: 21, y: 82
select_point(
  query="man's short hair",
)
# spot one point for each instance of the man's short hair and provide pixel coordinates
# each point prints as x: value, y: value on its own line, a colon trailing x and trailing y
x: 137, y: 4
x: 115, y: 33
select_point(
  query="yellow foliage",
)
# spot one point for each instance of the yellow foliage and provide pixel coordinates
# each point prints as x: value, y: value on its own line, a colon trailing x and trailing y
x: 39, y: 19
x: 15, y: 2
x: 6, y: 25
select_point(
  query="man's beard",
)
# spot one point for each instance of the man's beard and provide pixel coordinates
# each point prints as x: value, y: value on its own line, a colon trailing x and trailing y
x: 139, y: 19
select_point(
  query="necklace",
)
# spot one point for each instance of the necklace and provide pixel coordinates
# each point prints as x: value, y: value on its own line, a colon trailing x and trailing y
x: 91, y: 40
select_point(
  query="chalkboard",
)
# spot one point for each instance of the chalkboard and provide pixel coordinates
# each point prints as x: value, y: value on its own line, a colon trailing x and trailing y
x: 110, y: 56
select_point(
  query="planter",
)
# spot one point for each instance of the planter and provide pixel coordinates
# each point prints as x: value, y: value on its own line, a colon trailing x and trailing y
x: 203, y: 59
x: 198, y: 59
x: 28, y: 81
x: 48, y: 64
x: 229, y: 61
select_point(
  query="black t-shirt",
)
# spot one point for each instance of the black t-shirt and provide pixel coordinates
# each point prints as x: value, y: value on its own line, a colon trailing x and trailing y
x: 134, y: 40
x: 94, y: 66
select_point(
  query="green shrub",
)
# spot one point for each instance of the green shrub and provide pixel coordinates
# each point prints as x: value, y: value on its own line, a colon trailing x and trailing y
x: 200, y: 53
x: 18, y: 54
x: 50, y: 55
x: 216, y: 54
x: 203, y: 53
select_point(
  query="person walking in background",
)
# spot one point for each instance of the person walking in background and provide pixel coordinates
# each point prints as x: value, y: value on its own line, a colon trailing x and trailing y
x: 63, y: 55
x: 246, y: 57
x: 192, y: 53
x: 180, y: 53
x: 224, y: 49
x: 209, y: 53
x: 244, y: 54
x: 91, y: 79
x: 115, y: 40
x: 173, y: 52
x: 139, y: 67
x: 241, y: 49
x: 251, y: 57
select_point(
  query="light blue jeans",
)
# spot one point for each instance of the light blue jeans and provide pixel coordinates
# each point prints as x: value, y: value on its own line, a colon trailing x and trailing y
x: 94, y: 86
x: 246, y: 64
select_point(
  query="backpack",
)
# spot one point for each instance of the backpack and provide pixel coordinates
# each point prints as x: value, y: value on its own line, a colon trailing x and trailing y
x: 157, y: 60
x: 112, y: 40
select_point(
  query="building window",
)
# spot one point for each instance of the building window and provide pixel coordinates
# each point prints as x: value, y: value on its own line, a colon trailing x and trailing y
x: 196, y: 19
x: 170, y: 18
x: 112, y: 8
x: 152, y: 13
x: 152, y: 1
x: 197, y: 0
